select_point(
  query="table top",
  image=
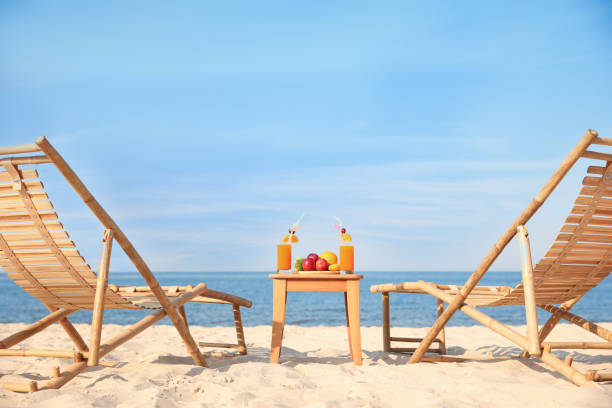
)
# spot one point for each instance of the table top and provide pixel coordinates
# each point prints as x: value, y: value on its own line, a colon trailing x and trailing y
x: 295, y: 276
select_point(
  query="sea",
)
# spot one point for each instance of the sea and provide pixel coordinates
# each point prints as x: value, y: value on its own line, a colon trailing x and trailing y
x: 305, y: 308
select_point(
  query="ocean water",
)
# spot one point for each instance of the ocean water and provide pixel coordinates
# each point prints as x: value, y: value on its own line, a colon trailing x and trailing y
x: 306, y: 309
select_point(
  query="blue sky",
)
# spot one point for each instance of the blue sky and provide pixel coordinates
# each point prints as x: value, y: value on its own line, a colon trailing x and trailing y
x: 207, y: 129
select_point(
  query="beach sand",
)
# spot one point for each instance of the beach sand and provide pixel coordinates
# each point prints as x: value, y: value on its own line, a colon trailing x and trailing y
x: 153, y: 370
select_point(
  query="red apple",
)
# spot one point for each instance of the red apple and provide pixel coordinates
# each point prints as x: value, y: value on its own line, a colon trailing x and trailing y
x: 313, y: 256
x: 322, y: 264
x: 308, y: 264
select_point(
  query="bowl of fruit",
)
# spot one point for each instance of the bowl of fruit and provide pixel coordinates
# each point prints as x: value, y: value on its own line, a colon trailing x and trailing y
x: 326, y: 263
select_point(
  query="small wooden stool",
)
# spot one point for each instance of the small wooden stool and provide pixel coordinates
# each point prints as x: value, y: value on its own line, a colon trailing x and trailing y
x: 349, y: 284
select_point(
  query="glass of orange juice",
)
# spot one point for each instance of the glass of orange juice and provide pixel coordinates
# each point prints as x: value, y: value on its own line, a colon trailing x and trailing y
x: 347, y: 253
x: 283, y: 257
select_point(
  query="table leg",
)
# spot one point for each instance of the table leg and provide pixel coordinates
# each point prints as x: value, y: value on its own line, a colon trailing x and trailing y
x: 352, y: 292
x: 348, y: 326
x: 278, y: 318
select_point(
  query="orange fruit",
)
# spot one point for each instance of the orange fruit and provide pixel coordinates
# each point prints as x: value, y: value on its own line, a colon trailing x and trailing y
x: 293, y: 238
x: 330, y: 257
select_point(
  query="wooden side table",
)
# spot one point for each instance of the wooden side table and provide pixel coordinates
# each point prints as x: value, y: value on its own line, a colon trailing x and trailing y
x: 349, y: 284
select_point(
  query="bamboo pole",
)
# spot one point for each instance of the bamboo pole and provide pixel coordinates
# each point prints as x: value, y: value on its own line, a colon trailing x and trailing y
x: 499, y: 246
x: 386, y: 321
x: 35, y: 328
x: 23, y: 148
x: 242, y: 349
x: 442, y: 335
x: 28, y: 160
x: 531, y: 312
x: 218, y: 345
x: 56, y: 372
x: 568, y: 360
x: 579, y: 321
x: 125, y: 243
x: 579, y: 345
x: 597, y: 155
x: 567, y: 371
x: 32, y: 386
x: 39, y: 353
x: 602, y: 377
x: 603, y: 141
x: 411, y: 339
x: 98, y: 310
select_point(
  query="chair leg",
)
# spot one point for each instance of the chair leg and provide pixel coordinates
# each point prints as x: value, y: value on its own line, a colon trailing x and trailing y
x: 552, y: 321
x: 98, y: 310
x: 239, y: 329
x: 441, y: 336
x: 531, y: 312
x: 183, y: 314
x: 348, y: 326
x: 386, y: 321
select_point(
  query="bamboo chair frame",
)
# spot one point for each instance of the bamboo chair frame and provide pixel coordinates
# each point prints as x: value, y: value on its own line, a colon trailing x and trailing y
x: 38, y: 255
x: 579, y: 260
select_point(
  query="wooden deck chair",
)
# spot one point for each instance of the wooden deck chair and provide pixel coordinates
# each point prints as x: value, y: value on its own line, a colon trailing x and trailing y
x: 578, y: 260
x: 38, y: 255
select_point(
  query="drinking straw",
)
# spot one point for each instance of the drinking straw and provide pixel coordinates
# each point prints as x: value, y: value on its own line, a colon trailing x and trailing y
x: 338, y: 224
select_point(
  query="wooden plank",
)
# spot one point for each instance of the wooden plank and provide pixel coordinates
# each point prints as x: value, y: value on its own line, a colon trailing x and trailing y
x: 585, y: 238
x: 45, y: 252
x: 591, y: 181
x: 26, y: 217
x: 577, y: 219
x: 22, y: 148
x: 597, y: 211
x: 601, y: 202
x: 36, y: 245
x: 314, y: 286
x: 580, y: 246
x: 50, y: 268
x: 29, y: 186
x: 51, y: 225
x: 19, y: 207
x: 12, y: 198
x: 596, y: 170
x: 14, y: 237
x: 589, y: 229
x: 597, y: 155
x: 590, y: 190
x: 23, y: 174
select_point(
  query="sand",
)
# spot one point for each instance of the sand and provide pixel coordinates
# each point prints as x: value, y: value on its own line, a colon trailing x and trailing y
x: 152, y: 370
